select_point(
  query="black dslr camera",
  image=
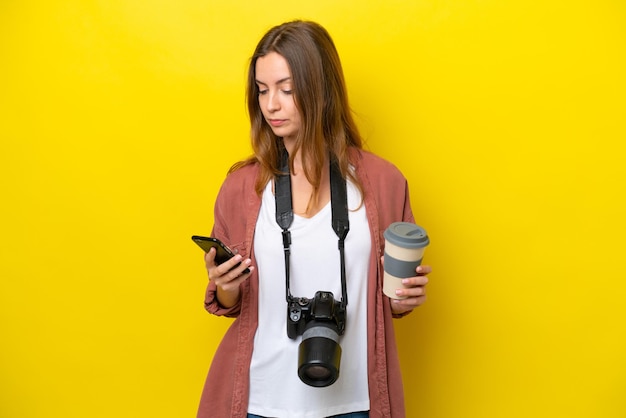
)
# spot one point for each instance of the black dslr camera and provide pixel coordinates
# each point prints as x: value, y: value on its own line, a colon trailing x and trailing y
x: 320, y: 321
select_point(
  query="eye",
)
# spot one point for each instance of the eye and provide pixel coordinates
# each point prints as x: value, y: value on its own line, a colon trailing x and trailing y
x: 262, y: 92
x: 287, y: 91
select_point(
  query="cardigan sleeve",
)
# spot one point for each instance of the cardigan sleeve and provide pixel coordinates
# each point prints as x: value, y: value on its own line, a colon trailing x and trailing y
x: 222, y: 216
x: 391, y: 192
x: 406, y: 217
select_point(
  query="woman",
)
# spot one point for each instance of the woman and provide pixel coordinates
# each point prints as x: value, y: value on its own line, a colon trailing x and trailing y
x: 298, y: 107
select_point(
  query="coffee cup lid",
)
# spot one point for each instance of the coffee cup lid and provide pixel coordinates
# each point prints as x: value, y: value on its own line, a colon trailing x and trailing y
x: 406, y: 235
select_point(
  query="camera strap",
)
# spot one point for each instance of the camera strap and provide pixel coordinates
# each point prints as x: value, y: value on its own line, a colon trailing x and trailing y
x: 339, y: 207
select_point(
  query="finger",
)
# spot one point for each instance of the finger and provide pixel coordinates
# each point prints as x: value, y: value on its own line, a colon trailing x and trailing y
x: 415, y: 281
x: 239, y: 270
x: 229, y: 270
x: 231, y: 280
x: 229, y: 265
x: 410, y: 303
x: 411, y: 292
x: 209, y: 258
x: 423, y: 270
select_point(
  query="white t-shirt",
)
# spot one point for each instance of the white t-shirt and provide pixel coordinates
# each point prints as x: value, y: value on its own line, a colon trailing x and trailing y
x: 275, y: 388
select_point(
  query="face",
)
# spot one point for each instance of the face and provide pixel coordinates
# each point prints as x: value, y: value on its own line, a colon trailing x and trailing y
x: 276, y: 99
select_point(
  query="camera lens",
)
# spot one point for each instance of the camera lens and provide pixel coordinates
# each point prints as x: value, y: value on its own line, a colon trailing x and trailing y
x: 317, y: 373
x: 319, y: 355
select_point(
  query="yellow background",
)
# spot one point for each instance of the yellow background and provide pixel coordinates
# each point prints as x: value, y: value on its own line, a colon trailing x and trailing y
x: 119, y: 119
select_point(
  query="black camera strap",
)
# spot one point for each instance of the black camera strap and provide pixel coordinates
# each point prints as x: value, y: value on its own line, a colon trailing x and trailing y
x: 339, y: 206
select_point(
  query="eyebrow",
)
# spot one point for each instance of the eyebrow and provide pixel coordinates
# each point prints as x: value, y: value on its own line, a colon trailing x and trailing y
x: 282, y: 80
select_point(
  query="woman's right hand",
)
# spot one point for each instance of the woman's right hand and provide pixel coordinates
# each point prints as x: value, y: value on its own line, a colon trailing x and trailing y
x: 226, y: 280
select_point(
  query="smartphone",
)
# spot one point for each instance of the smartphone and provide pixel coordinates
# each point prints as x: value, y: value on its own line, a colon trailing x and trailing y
x: 222, y: 254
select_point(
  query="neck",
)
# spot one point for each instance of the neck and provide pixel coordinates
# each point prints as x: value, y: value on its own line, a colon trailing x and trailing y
x: 310, y: 185
x: 290, y: 146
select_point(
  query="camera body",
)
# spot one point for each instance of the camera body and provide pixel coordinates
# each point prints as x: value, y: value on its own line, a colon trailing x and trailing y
x: 320, y: 321
x: 322, y: 310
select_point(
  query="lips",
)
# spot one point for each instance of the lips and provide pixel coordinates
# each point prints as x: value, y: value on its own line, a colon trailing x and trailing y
x: 277, y: 122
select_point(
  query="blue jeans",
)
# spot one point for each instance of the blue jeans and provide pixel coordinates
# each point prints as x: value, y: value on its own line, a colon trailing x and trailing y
x: 364, y: 414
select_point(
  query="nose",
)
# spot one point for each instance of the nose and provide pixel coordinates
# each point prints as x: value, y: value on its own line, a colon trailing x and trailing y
x: 273, y: 103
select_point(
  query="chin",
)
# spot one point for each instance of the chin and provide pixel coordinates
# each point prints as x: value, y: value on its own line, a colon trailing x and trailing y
x: 284, y: 133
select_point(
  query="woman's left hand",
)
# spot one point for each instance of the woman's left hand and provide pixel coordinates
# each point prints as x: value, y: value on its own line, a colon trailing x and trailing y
x: 414, y: 293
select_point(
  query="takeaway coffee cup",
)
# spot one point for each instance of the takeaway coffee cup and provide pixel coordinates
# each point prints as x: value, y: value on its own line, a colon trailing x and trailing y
x: 404, y: 247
